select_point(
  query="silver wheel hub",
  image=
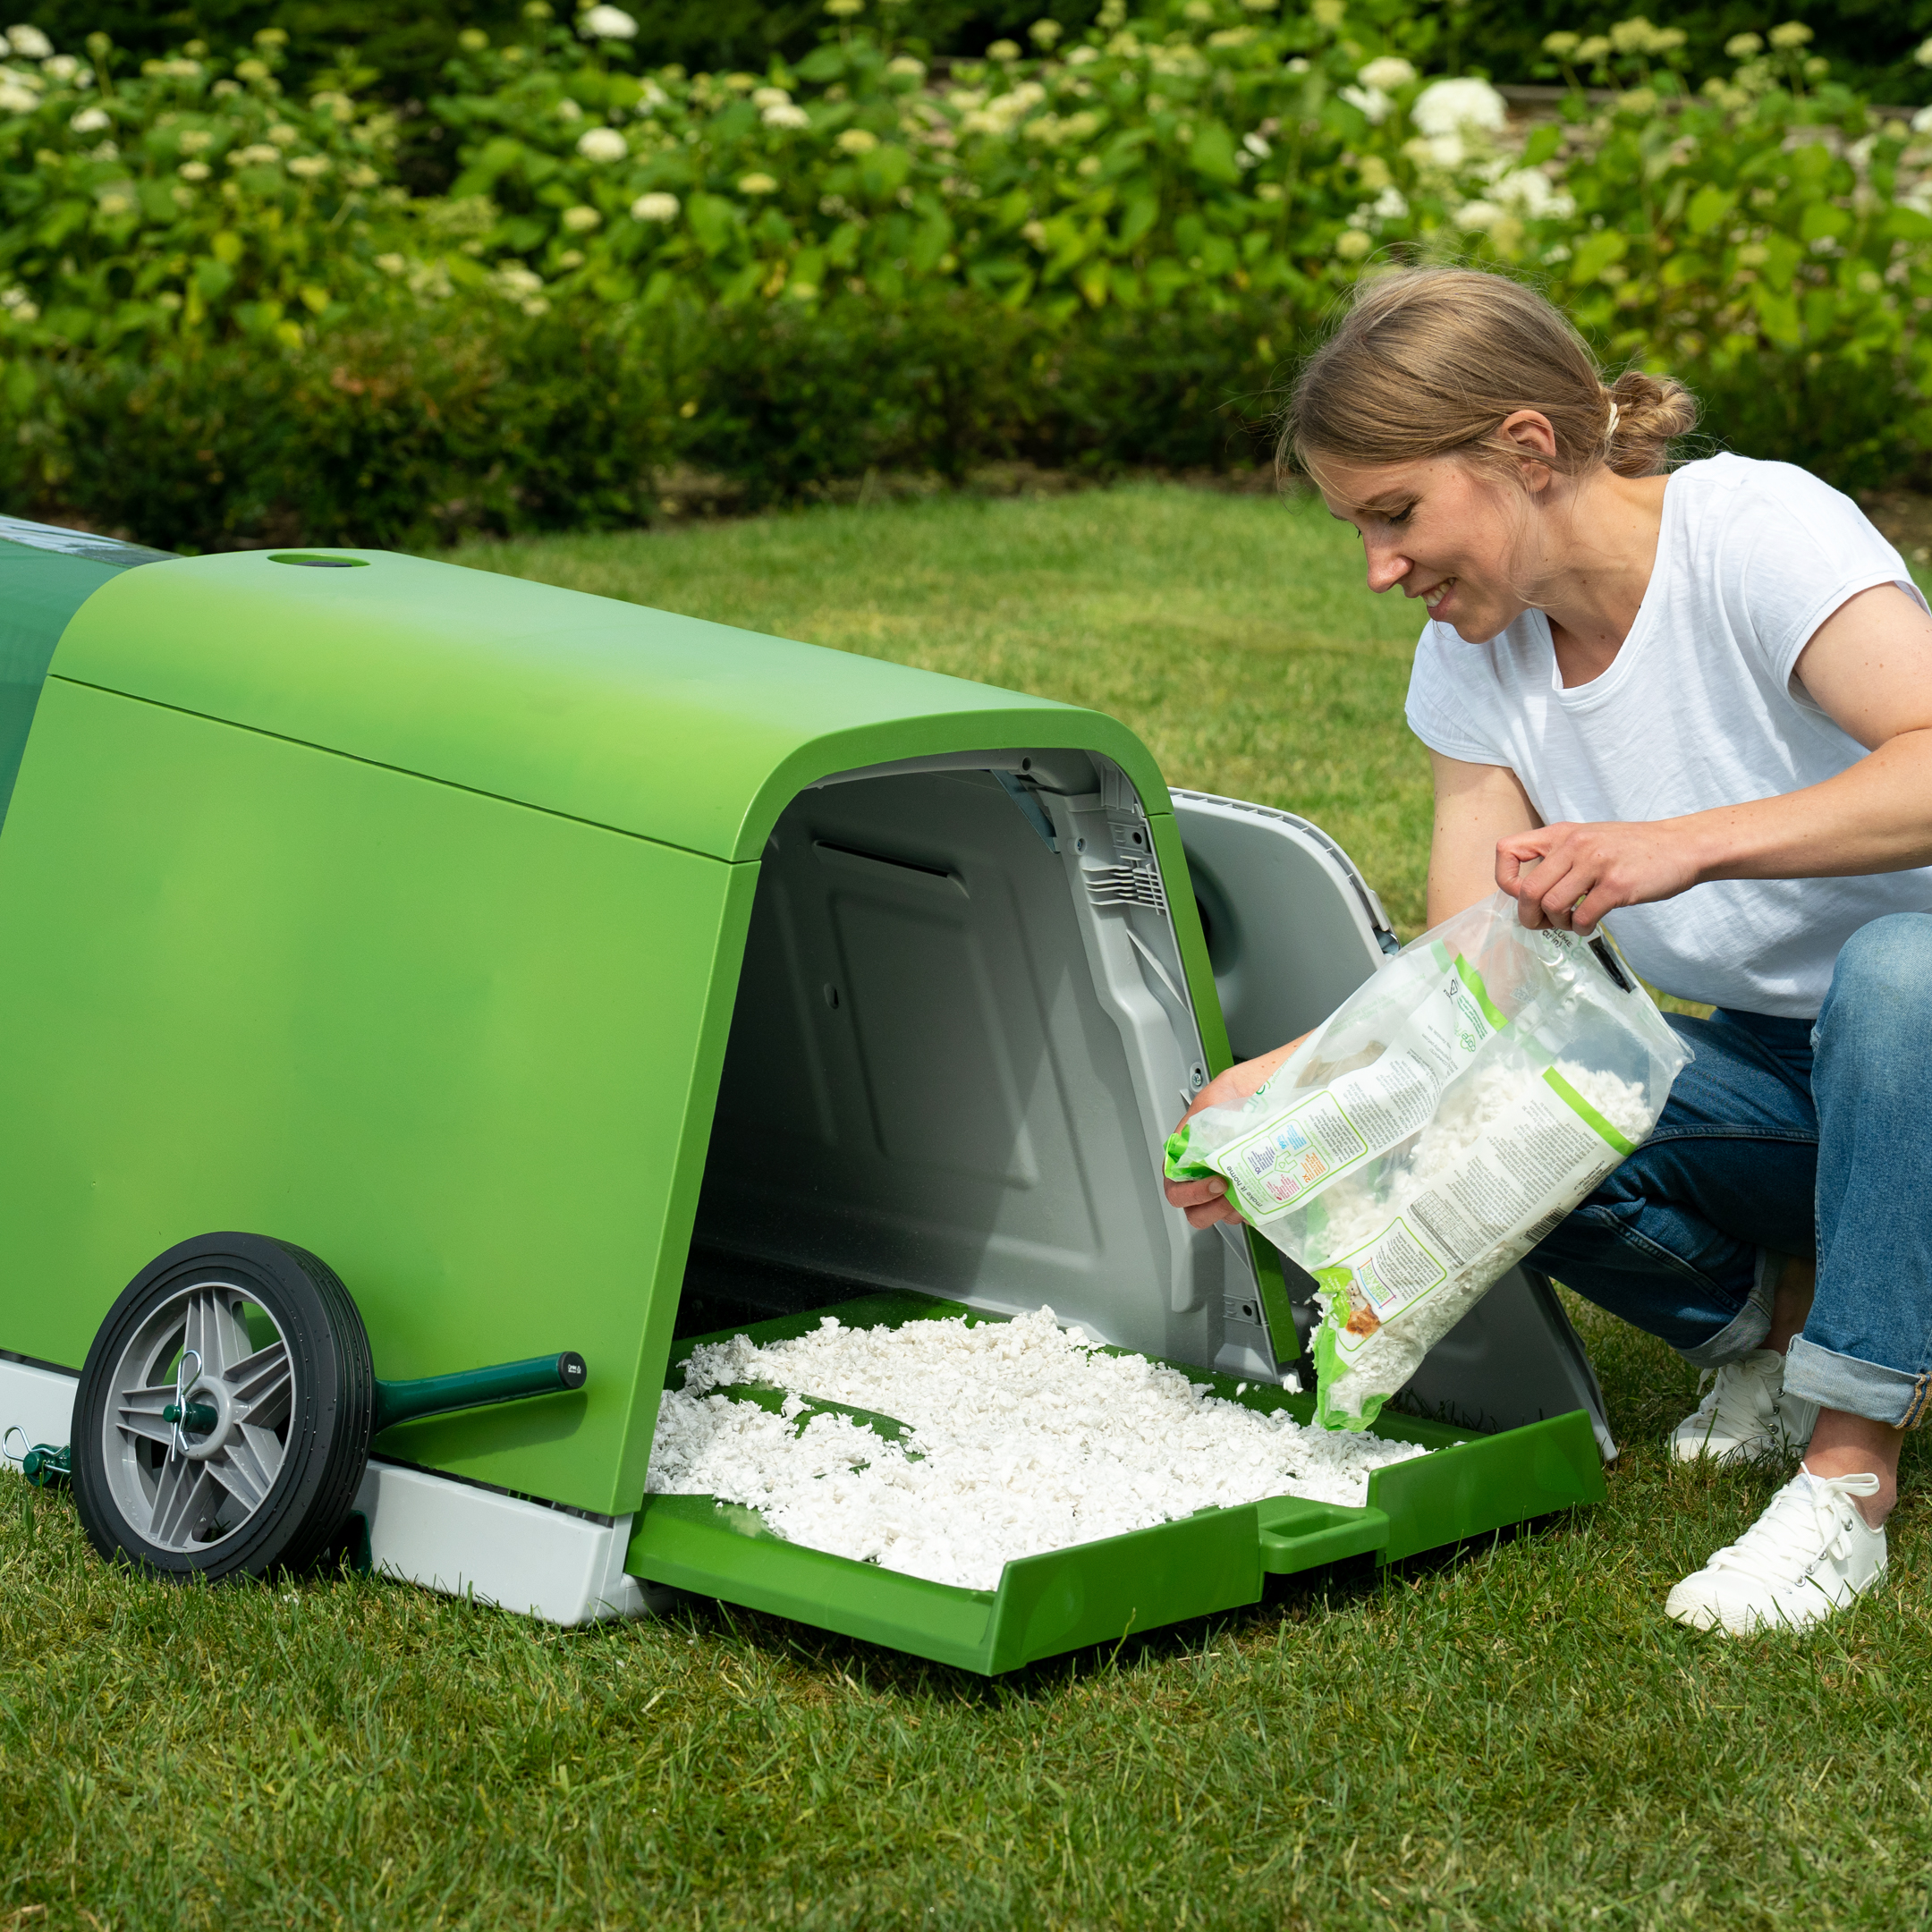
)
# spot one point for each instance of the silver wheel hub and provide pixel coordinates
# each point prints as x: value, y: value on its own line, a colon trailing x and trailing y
x: 184, y: 1489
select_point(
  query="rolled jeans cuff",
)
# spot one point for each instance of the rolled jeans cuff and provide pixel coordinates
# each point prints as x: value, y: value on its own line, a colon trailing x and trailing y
x: 1858, y: 1387
x: 1747, y: 1329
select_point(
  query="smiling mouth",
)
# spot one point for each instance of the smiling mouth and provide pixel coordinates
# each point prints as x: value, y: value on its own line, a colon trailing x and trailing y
x: 1438, y: 592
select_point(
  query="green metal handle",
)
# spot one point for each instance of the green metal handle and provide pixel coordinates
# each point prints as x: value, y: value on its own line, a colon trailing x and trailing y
x: 476, y: 1388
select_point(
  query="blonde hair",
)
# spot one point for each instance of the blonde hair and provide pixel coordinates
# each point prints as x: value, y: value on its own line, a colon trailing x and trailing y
x: 1429, y: 361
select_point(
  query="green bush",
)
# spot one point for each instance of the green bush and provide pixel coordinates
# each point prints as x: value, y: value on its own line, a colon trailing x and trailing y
x: 223, y: 320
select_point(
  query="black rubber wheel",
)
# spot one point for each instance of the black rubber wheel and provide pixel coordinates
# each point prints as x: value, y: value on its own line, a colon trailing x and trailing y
x: 260, y: 1347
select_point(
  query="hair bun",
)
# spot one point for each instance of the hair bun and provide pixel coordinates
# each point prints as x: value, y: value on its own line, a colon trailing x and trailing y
x: 1645, y: 414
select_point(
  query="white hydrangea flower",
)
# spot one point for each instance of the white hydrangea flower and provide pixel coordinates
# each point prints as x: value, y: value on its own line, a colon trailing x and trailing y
x: 194, y: 171
x: 654, y: 208
x: 29, y: 42
x: 1445, y: 151
x: 770, y: 97
x: 392, y: 265
x: 1391, y: 205
x: 568, y: 110
x: 757, y: 183
x: 858, y: 140
x: 1449, y: 107
x: 309, y: 168
x: 607, y: 23
x: 1386, y: 75
x: 64, y: 68
x: 1530, y: 192
x: 1473, y: 215
x: 786, y: 115
x: 1372, y: 101
x: 581, y: 219
x: 602, y: 144
x: 16, y: 99
x: 1352, y: 243
x: 91, y: 120
x: 517, y: 282
x: 1922, y: 53
x: 907, y: 68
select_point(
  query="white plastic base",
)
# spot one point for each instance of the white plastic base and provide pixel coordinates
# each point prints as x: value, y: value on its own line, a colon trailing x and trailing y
x: 469, y: 1542
x: 424, y: 1528
x: 38, y: 1402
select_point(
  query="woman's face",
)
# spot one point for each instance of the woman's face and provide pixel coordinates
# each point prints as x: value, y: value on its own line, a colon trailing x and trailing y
x: 1441, y: 531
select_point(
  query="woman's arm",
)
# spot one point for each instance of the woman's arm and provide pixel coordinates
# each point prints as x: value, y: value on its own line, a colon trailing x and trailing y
x: 1475, y: 805
x: 1868, y: 666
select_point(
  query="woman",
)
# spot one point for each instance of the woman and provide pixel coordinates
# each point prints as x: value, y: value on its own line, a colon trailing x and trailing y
x: 1699, y: 703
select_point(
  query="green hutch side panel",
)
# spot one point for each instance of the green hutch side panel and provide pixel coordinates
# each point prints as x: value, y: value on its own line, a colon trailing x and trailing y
x: 466, y: 1051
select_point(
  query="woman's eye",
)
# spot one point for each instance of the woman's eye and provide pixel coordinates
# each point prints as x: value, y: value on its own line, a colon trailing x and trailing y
x: 1399, y: 517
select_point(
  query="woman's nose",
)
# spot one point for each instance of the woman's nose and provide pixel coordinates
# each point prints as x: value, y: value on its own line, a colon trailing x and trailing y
x: 1387, y: 566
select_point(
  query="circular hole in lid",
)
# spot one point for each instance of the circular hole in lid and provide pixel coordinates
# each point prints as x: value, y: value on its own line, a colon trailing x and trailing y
x: 319, y: 562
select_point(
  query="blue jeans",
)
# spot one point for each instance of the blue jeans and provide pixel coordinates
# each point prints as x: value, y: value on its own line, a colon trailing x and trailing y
x: 1782, y: 1138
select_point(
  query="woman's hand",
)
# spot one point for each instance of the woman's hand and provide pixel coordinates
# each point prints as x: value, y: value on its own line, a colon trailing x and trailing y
x: 1569, y: 876
x: 1205, y: 1202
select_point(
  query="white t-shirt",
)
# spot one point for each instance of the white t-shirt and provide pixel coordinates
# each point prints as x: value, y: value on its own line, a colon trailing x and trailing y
x: 1698, y: 709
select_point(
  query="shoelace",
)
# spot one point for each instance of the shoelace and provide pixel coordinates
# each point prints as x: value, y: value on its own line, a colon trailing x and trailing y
x: 1741, y: 1400
x: 1809, y: 1518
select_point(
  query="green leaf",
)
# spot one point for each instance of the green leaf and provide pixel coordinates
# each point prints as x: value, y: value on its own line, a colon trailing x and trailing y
x: 1782, y: 257
x: 1777, y: 316
x: 1594, y: 255
x: 1136, y: 218
x: 825, y: 64
x: 1542, y: 144
x: 884, y: 169
x: 1708, y: 206
x: 213, y: 278
x: 714, y: 221
x: 1820, y: 219
x: 1212, y: 152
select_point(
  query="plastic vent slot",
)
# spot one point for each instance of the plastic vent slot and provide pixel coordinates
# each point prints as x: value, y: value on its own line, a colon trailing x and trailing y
x: 1133, y: 879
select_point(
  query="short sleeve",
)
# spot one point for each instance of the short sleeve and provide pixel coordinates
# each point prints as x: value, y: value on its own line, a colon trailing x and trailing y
x: 1438, y: 710
x: 1794, y: 550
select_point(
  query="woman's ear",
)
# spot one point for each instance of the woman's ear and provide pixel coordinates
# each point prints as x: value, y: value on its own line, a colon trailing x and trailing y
x: 1529, y: 430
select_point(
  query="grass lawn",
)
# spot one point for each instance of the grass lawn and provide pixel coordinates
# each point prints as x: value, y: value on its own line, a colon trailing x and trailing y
x: 1511, y: 1736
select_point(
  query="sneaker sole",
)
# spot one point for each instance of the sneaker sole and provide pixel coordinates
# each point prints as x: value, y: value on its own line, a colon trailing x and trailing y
x: 1696, y: 1610
x: 1700, y: 1449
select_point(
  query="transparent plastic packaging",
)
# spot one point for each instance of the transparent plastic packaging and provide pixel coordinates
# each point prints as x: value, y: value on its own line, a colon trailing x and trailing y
x: 1434, y: 1128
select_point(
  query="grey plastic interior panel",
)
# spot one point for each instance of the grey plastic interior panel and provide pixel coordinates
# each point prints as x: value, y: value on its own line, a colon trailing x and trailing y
x: 1291, y: 927
x: 960, y: 1038
x: 963, y: 1033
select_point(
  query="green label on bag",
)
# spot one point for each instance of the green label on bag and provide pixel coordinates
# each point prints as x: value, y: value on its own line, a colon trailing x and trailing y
x: 1587, y: 1114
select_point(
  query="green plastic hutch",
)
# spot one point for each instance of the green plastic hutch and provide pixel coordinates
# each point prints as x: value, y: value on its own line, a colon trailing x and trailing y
x: 566, y: 972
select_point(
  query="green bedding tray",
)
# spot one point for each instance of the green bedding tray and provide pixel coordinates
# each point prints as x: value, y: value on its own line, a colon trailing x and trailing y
x: 1101, y: 1592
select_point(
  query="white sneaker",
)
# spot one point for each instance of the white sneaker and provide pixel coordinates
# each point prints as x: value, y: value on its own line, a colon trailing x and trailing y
x: 1745, y: 1415
x: 1810, y: 1553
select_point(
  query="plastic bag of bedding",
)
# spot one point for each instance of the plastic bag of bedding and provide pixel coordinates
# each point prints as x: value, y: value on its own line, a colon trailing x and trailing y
x: 1434, y: 1128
